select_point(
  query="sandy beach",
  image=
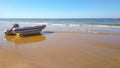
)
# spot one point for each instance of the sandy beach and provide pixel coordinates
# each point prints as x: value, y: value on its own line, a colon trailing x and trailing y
x: 60, y: 50
x: 59, y: 33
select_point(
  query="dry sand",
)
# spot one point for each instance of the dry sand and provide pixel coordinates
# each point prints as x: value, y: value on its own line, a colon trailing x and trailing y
x: 60, y: 50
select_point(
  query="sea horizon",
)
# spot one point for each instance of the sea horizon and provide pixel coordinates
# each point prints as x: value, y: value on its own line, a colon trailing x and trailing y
x: 92, y: 25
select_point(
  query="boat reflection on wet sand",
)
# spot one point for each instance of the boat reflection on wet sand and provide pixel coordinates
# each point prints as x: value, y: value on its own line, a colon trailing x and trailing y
x: 17, y: 40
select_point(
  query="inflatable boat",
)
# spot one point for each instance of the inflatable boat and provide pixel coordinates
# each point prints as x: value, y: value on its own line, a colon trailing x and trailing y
x: 25, y: 30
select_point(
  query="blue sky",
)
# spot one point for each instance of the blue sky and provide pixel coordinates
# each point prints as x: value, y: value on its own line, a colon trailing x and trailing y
x: 59, y: 8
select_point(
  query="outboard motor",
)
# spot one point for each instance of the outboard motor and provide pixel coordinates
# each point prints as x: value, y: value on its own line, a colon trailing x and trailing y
x: 15, y: 25
x: 10, y: 32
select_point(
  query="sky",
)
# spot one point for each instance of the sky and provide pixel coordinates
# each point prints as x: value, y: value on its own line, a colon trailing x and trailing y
x: 59, y: 8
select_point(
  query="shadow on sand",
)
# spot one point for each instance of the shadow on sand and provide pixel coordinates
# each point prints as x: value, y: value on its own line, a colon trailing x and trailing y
x: 26, y: 39
x: 47, y: 32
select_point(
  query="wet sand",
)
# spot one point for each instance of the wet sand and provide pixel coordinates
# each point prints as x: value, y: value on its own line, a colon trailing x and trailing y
x: 60, y: 50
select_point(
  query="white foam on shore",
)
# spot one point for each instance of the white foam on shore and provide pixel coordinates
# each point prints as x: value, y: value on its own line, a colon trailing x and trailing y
x: 71, y: 25
x: 68, y: 27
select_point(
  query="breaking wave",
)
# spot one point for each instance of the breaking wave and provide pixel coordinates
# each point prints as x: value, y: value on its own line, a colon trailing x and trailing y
x: 68, y: 27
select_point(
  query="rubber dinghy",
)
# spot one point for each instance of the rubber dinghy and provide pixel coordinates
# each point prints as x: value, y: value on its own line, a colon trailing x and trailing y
x: 25, y: 30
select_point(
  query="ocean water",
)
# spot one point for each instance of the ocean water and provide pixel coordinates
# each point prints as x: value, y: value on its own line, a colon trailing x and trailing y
x: 91, y: 25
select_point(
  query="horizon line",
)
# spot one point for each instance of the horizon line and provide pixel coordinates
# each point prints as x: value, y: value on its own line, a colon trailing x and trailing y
x: 65, y: 18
